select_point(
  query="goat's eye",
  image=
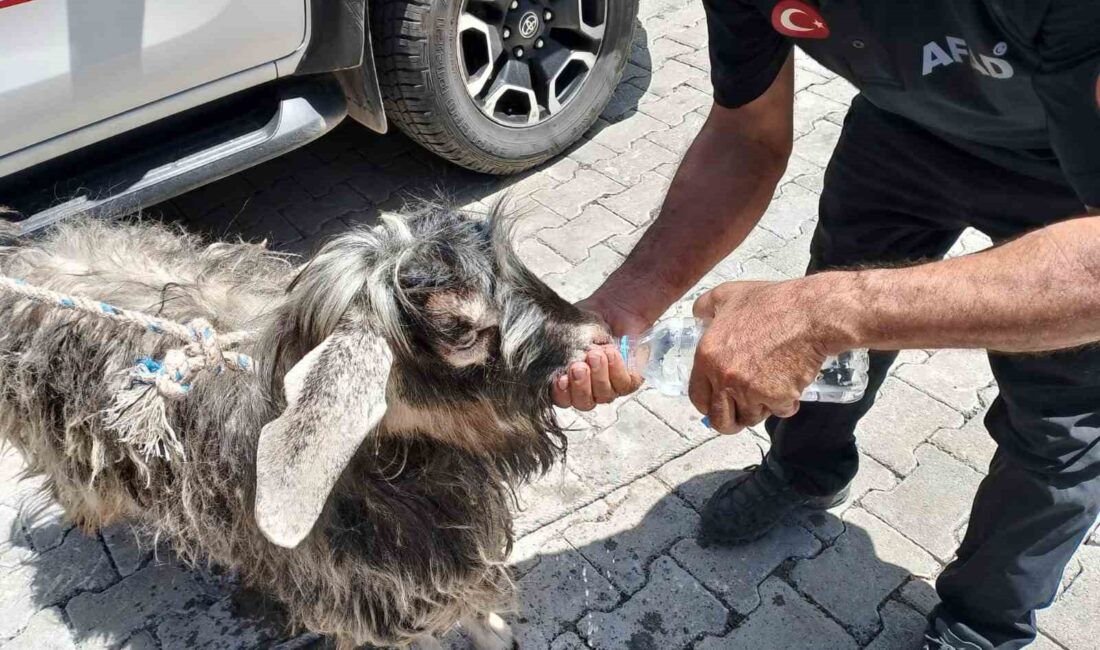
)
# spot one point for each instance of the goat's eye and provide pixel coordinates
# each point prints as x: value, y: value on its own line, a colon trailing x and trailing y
x: 467, y: 340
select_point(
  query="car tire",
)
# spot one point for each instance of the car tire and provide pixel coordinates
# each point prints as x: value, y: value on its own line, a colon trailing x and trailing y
x: 428, y: 93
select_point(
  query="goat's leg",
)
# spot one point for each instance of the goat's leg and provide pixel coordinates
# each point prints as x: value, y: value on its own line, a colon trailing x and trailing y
x: 490, y: 632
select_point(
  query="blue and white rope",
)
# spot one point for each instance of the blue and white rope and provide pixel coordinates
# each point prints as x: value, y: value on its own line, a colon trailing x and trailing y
x: 173, y: 374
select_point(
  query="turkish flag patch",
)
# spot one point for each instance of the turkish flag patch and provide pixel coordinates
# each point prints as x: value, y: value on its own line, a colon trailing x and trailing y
x: 4, y: 4
x: 798, y: 20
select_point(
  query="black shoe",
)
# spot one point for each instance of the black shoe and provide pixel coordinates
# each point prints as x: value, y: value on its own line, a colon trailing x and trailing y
x: 749, y: 505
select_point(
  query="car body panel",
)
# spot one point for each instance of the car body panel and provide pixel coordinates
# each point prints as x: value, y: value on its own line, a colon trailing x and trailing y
x: 69, y: 64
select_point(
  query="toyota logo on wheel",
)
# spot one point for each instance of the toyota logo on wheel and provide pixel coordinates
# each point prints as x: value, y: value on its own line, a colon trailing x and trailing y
x: 529, y: 24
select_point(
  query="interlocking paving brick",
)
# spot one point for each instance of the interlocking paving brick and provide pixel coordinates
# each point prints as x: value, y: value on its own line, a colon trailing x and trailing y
x: 587, y: 152
x: 641, y: 202
x: 678, y: 138
x: 623, y: 244
x: 342, y: 201
x: 784, y: 620
x: 561, y: 169
x: 951, y: 376
x: 735, y: 573
x: 697, y: 59
x: 45, y: 631
x: 797, y: 167
x: 761, y: 270
x: 662, y: 49
x: 814, y: 182
x: 568, y: 641
x: 793, y: 257
x: 827, y: 525
x: 146, y: 597
x: 574, y: 239
x: 806, y: 62
x: 971, y: 443
x: 320, y: 179
x: 920, y: 594
x: 587, y: 276
x: 623, y: 102
x: 31, y: 581
x: 45, y: 522
x: 628, y: 168
x: 549, y: 497
x: 971, y: 241
x: 637, y: 444
x: 674, y: 106
x: 533, y: 217
x: 638, y: 523
x: 837, y: 89
x: 231, y: 189
x: 636, y: 75
x: 542, y: 259
x: 851, y: 578
x: 569, y: 198
x: 790, y: 215
x: 529, y: 549
x: 804, y: 78
x: 670, y: 76
x: 1073, y: 622
x: 902, y: 627
x: 380, y: 183
x: 694, y: 36
x: 818, y: 143
x: 667, y: 170
x: 930, y: 503
x: 901, y: 419
x: 557, y: 591
x: 220, y: 627
x: 127, y: 549
x: 672, y: 609
x: 810, y: 109
x: 678, y: 412
x: 516, y: 190
x: 620, y: 135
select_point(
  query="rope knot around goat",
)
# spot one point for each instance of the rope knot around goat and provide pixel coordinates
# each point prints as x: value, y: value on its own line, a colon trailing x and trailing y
x: 138, y: 413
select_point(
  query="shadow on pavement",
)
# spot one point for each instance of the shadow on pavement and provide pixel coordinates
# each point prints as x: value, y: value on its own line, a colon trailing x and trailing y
x: 624, y: 573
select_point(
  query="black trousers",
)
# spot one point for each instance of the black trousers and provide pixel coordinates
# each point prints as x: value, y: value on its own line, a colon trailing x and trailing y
x: 895, y: 193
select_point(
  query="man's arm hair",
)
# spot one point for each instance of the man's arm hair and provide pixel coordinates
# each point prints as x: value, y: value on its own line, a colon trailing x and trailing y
x: 1036, y: 293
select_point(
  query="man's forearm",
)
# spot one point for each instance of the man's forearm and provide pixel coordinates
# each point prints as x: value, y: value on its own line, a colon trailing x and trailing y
x: 721, y: 189
x: 1039, y: 292
x: 718, y: 195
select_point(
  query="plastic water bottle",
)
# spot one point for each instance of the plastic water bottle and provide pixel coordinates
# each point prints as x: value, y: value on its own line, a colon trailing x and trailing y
x: 665, y: 353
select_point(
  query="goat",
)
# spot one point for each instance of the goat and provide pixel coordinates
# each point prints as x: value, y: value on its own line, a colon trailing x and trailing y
x: 362, y: 474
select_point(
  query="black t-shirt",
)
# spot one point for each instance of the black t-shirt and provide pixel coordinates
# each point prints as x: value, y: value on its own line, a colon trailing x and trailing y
x: 1016, y: 82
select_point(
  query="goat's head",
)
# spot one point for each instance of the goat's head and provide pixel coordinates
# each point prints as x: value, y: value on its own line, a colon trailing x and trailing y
x: 425, y: 325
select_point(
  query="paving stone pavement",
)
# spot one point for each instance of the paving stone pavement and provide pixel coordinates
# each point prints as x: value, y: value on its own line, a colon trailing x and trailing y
x: 607, y: 557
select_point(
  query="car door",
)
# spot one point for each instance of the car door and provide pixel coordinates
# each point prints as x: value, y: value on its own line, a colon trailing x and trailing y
x: 65, y: 64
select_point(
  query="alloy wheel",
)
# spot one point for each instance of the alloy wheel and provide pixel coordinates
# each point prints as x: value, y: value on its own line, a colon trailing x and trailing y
x: 522, y: 61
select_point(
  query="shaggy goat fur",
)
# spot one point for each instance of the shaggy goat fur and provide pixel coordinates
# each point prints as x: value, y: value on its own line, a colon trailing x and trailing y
x: 413, y: 536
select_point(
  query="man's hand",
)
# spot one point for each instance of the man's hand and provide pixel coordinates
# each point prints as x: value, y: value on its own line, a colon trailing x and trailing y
x: 760, y: 351
x: 602, y: 377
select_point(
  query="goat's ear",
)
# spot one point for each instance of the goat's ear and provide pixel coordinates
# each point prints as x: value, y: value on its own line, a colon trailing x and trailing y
x: 336, y: 395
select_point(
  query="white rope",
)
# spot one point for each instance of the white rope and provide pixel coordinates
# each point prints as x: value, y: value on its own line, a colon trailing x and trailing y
x: 138, y: 413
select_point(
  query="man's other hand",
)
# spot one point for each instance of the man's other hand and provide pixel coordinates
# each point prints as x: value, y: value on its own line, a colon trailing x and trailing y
x: 760, y: 351
x: 603, y: 376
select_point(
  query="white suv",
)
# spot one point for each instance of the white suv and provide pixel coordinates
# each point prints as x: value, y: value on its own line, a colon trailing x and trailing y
x: 112, y: 105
